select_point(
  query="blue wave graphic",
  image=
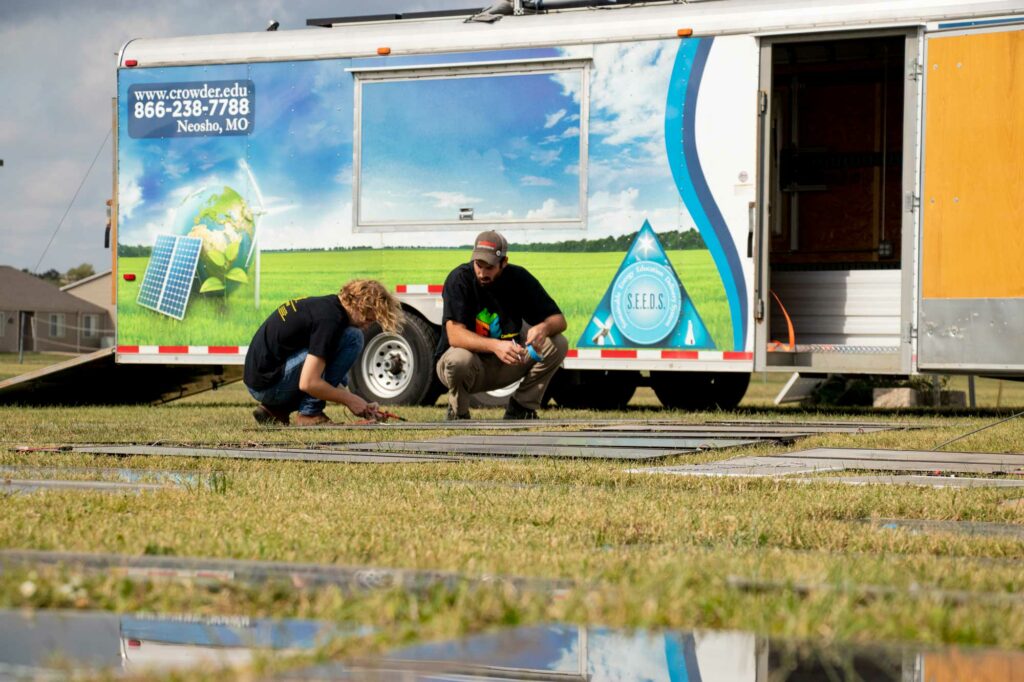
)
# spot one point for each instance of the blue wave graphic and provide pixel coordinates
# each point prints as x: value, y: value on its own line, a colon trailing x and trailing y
x: 681, y: 148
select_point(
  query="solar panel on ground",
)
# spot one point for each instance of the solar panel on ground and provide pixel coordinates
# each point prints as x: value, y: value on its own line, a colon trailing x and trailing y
x: 858, y: 459
x: 31, y: 485
x: 298, y: 455
x: 167, y: 284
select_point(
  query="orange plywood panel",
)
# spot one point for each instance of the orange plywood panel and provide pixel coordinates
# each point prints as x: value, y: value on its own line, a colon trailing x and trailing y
x: 973, y: 201
x: 978, y: 666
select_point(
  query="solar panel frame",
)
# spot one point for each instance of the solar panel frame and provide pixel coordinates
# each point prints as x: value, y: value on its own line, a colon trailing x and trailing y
x: 169, y: 275
x: 178, y: 286
x: 156, y: 272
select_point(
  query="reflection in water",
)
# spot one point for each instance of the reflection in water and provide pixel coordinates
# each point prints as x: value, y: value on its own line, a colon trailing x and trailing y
x: 40, y: 640
x: 33, y: 642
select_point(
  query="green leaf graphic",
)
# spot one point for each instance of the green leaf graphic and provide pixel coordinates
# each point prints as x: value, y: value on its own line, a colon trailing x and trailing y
x: 217, y: 258
x: 212, y: 284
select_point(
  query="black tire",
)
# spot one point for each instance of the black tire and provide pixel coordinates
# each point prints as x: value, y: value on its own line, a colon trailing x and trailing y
x: 699, y: 391
x: 594, y: 389
x: 397, y: 369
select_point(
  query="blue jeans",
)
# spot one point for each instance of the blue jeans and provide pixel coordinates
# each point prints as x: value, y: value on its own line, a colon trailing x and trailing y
x: 286, y: 394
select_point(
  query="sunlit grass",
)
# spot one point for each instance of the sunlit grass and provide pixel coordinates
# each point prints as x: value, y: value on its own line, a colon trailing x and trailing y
x: 644, y: 550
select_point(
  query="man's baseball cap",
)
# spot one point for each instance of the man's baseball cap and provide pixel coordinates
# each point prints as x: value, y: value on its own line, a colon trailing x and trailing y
x: 490, y: 247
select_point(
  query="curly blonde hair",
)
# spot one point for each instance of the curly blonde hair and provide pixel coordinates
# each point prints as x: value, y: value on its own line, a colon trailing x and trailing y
x: 373, y: 302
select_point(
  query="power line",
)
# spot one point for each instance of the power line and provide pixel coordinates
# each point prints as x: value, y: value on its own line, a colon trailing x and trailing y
x: 72, y: 202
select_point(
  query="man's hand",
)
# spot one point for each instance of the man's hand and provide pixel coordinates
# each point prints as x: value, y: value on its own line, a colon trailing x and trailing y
x: 538, y: 333
x: 311, y: 381
x: 373, y: 412
x: 361, y: 408
x: 510, y: 352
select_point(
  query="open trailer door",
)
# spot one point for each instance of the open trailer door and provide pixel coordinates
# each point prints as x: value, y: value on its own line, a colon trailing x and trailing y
x: 971, y: 313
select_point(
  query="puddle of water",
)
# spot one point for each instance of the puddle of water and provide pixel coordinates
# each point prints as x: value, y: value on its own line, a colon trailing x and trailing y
x: 982, y: 528
x: 562, y: 652
x: 102, y: 474
x: 33, y: 643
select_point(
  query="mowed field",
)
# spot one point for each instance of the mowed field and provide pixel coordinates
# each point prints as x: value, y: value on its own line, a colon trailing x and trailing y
x: 577, y: 282
x: 640, y: 550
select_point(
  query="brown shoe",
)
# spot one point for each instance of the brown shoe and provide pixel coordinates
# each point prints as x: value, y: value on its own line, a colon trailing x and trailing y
x: 264, y: 414
x: 312, y: 419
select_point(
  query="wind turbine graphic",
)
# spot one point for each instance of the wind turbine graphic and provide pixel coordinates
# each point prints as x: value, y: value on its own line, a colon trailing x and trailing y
x: 260, y: 210
x: 604, y: 331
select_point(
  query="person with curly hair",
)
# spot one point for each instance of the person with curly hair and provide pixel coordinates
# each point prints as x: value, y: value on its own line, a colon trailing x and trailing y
x: 300, y: 356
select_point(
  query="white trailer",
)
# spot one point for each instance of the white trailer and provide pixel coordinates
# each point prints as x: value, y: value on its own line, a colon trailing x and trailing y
x: 707, y: 188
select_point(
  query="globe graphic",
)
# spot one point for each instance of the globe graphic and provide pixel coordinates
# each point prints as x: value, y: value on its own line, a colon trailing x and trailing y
x: 220, y: 217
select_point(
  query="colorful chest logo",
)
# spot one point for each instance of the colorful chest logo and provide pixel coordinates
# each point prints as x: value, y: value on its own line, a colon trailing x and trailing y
x: 488, y: 324
x: 646, y: 304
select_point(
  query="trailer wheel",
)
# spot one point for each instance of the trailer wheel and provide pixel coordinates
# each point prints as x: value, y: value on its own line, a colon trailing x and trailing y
x: 700, y: 390
x: 397, y: 369
x: 594, y: 389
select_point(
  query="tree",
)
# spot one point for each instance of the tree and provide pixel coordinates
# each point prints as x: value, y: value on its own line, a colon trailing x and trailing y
x: 79, y: 272
x: 51, y: 276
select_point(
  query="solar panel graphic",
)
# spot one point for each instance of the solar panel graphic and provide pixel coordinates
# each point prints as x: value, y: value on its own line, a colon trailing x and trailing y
x: 167, y: 284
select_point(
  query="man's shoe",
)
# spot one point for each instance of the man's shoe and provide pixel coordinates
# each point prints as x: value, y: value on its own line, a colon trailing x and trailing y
x: 312, y: 419
x: 450, y: 415
x: 265, y: 414
x: 517, y: 411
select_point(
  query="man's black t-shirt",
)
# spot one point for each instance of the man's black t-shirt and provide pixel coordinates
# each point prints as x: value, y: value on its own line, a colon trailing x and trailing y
x: 496, y: 310
x: 314, y: 324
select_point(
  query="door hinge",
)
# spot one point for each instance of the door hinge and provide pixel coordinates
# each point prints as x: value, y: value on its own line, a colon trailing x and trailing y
x: 911, y: 331
x: 911, y: 202
x: 915, y: 70
x: 759, y: 311
x: 762, y: 102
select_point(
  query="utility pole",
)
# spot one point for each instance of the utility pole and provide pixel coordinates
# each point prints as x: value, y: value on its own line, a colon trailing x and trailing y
x: 21, y: 336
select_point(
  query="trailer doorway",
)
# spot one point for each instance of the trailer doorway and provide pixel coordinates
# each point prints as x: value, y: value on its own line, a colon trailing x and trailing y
x: 835, y: 254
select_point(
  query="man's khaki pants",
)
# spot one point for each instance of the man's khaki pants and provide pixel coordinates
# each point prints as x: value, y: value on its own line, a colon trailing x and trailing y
x: 465, y: 372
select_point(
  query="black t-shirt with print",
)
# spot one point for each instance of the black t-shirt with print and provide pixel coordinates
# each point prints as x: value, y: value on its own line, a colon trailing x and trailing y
x: 496, y: 310
x: 314, y: 324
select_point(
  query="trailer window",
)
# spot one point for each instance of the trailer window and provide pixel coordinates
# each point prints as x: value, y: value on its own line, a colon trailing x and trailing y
x: 495, y: 144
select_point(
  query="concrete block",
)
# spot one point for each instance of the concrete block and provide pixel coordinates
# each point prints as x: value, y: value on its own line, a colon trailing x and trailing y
x: 896, y: 397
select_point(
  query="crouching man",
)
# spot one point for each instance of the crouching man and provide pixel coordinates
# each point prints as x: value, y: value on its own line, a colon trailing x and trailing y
x: 481, y: 346
x: 300, y: 357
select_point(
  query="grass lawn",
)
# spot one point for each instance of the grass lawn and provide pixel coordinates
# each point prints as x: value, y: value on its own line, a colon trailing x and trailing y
x: 646, y: 551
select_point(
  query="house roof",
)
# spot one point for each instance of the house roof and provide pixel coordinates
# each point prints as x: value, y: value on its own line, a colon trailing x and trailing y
x: 22, y: 291
x: 85, y: 280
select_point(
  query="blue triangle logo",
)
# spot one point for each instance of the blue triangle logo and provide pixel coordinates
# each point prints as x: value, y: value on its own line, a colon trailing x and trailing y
x: 646, y: 304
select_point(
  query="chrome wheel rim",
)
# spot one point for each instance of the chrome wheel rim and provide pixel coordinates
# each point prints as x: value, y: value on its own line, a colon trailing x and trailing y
x: 388, y: 365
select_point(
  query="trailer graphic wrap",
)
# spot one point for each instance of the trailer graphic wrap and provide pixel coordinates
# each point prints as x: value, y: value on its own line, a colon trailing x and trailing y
x: 387, y: 167
x: 472, y: 148
x: 191, y: 109
x: 646, y: 304
x: 680, y: 116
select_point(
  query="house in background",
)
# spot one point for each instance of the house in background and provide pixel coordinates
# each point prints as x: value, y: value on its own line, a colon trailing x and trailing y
x: 48, y: 319
x: 94, y: 289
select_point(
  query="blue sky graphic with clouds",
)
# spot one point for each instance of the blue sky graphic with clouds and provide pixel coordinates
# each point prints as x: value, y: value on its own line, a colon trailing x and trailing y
x: 507, y: 146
